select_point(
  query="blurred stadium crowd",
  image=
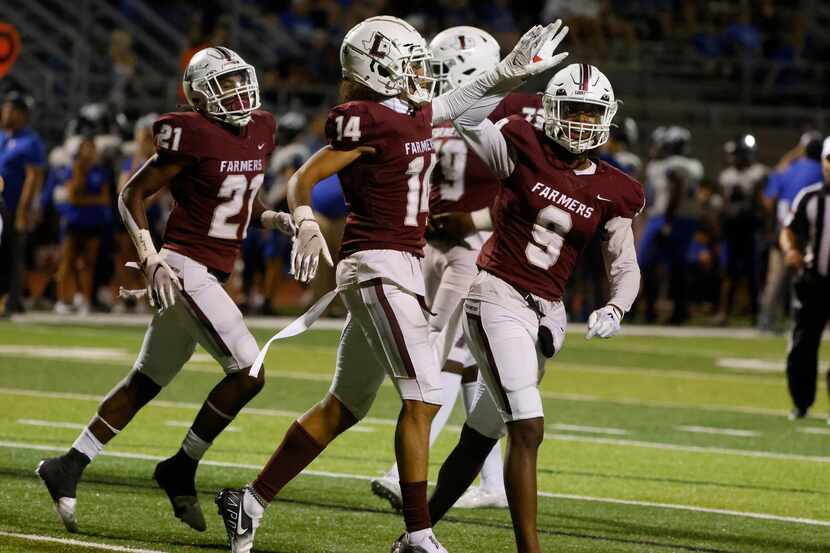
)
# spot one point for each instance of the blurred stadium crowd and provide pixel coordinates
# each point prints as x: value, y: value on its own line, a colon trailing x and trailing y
x: 707, y: 240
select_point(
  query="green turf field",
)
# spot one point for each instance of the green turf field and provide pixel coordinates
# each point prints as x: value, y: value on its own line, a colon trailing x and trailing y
x: 653, y: 444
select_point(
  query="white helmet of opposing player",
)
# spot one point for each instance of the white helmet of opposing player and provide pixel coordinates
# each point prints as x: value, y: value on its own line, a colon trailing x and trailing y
x: 218, y: 83
x: 577, y: 91
x: 460, y: 54
x: 389, y: 56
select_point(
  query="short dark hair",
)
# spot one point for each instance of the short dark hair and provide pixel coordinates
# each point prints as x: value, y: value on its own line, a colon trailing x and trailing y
x: 351, y: 91
x: 20, y: 101
x: 813, y: 149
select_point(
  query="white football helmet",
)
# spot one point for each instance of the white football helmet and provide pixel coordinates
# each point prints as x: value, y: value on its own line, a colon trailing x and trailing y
x: 389, y: 56
x: 579, y: 89
x: 218, y: 83
x: 460, y: 54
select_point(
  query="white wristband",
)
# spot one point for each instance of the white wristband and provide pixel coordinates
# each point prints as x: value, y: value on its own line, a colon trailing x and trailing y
x: 482, y: 219
x: 144, y: 244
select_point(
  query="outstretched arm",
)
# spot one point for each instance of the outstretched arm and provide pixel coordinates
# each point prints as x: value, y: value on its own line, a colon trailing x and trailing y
x: 533, y: 54
x: 486, y: 140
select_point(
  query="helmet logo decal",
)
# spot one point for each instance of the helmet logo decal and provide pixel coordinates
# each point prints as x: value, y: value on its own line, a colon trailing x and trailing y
x: 380, y: 46
x: 463, y: 42
x: 584, y: 76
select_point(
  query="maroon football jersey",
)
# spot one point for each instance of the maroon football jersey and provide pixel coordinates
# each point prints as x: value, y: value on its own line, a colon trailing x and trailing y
x: 461, y: 181
x: 214, y: 193
x: 387, y: 193
x: 545, y: 213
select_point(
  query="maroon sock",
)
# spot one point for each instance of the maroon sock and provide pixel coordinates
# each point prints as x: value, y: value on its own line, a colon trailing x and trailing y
x: 296, y: 451
x: 415, y: 506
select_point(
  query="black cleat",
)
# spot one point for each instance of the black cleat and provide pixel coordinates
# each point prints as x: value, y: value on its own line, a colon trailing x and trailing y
x: 241, y: 513
x: 179, y: 483
x: 61, y: 477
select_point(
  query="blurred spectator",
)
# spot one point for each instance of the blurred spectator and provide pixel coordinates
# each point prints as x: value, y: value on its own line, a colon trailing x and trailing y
x: 798, y: 168
x: 22, y: 162
x: 740, y: 185
x: 617, y: 151
x: 196, y: 40
x: 123, y: 68
x: 703, y: 256
x: 498, y: 17
x: 672, y: 181
x: 85, y: 216
x: 742, y: 38
x: 4, y: 215
x: 583, y: 18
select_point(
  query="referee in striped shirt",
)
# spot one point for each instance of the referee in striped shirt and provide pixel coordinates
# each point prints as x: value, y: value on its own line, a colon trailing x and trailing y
x: 805, y: 243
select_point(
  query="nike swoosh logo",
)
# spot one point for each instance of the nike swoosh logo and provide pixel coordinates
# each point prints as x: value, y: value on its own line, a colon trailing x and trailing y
x: 599, y: 197
x: 239, y: 528
x: 261, y: 146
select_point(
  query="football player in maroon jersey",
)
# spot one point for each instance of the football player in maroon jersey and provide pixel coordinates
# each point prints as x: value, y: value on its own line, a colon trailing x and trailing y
x: 213, y: 160
x: 462, y: 191
x: 554, y: 197
x: 380, y: 144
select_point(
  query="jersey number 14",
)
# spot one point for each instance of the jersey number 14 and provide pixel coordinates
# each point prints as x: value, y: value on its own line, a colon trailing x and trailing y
x: 417, y: 198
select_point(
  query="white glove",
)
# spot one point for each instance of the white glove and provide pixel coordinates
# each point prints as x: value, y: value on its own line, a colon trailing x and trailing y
x: 279, y: 220
x: 308, y: 244
x: 604, y: 322
x: 162, y: 282
x: 534, y: 53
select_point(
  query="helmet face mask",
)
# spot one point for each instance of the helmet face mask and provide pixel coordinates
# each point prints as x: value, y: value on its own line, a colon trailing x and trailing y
x: 221, y: 85
x: 388, y: 56
x: 579, y: 106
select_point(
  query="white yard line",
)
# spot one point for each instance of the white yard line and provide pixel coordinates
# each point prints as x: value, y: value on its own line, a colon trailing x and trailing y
x: 326, y: 474
x: 759, y: 516
x: 589, y: 429
x: 668, y: 374
x: 276, y: 323
x: 51, y: 424
x: 720, y: 431
x: 363, y: 429
x: 186, y: 424
x: 716, y: 408
x: 824, y: 431
x: 81, y: 353
x: 750, y: 364
x: 689, y: 448
x: 204, y: 363
x: 452, y: 428
x: 68, y: 541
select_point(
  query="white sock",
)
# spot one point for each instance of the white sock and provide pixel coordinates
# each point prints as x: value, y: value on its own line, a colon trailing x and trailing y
x: 252, y: 504
x: 88, y: 444
x: 468, y: 393
x: 492, y: 472
x: 194, y: 446
x: 419, y: 536
x: 450, y: 383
